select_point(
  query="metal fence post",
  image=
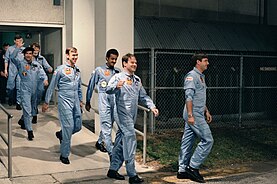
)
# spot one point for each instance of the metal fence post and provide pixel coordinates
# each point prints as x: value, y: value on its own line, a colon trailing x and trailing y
x: 152, y: 87
x: 240, y: 91
x: 144, y: 136
x: 10, y: 147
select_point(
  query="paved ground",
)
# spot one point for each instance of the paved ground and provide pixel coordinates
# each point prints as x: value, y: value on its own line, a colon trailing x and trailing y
x: 38, y: 161
x: 258, y: 173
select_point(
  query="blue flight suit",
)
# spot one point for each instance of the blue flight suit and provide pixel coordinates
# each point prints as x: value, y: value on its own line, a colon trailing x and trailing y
x: 106, y: 103
x: 30, y: 74
x: 195, y: 91
x: 68, y: 82
x: 43, y: 62
x: 127, y: 99
x: 13, y: 82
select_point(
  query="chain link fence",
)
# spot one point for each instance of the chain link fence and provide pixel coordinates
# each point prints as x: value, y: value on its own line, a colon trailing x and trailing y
x: 242, y: 89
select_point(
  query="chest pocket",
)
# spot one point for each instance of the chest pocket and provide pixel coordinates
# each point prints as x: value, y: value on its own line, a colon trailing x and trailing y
x: 199, y: 85
x: 136, y: 84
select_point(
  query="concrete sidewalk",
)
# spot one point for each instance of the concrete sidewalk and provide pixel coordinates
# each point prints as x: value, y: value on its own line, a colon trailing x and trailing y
x: 38, y: 161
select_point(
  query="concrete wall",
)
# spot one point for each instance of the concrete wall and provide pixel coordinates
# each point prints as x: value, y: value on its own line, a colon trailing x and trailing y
x: 114, y: 23
x: 80, y: 33
x: 83, y: 38
x: 52, y: 40
x: 35, y: 11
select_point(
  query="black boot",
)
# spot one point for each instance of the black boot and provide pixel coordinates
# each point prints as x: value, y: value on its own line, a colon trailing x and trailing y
x: 18, y: 107
x: 100, y: 147
x: 135, y: 180
x: 30, y: 135
x: 115, y: 175
x: 183, y: 175
x: 21, y: 123
x: 59, y: 136
x: 35, y: 120
x: 194, y: 174
x: 64, y: 160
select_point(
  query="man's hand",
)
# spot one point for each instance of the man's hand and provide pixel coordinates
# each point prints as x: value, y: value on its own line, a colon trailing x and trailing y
x: 81, y: 104
x: 155, y: 111
x: 45, y: 83
x: 2, y: 74
x: 45, y: 107
x: 50, y: 70
x: 190, y: 120
x: 120, y: 84
x: 88, y: 106
x: 209, y: 117
x: 6, y: 73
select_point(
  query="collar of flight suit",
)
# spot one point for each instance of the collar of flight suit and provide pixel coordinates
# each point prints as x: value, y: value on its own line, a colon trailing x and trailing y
x: 71, y: 66
x: 197, y: 71
x: 129, y: 75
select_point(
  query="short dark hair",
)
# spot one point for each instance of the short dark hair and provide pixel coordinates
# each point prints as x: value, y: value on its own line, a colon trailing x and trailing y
x: 110, y: 52
x: 28, y: 49
x: 70, y: 49
x: 198, y: 56
x: 126, y: 57
x: 17, y: 36
x: 35, y: 44
x: 5, y: 44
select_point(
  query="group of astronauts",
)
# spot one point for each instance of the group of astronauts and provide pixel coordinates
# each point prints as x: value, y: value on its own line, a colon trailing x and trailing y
x: 25, y: 69
x: 119, y: 93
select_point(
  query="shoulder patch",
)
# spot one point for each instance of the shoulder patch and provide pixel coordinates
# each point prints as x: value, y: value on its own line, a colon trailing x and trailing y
x: 189, y: 79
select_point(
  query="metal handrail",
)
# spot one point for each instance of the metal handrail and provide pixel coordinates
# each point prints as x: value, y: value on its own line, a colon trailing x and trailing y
x: 143, y: 134
x: 9, y: 140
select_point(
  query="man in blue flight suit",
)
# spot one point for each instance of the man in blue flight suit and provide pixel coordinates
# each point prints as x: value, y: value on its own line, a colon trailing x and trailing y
x: 30, y: 72
x: 3, y: 79
x: 106, y: 103
x: 13, y: 81
x: 128, y: 92
x: 67, y: 79
x: 41, y: 85
x: 47, y: 68
x: 196, y: 126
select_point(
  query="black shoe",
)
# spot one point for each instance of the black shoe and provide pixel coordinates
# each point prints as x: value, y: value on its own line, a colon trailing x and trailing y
x: 30, y: 135
x: 135, y: 179
x: 115, y: 175
x: 21, y: 123
x: 194, y: 174
x: 35, y: 120
x: 18, y: 107
x: 183, y: 175
x: 10, y: 103
x: 59, y: 135
x: 64, y: 160
x: 100, y: 147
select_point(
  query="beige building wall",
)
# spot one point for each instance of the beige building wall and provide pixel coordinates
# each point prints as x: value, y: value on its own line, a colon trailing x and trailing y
x: 114, y: 28
x: 32, y: 11
x: 94, y: 26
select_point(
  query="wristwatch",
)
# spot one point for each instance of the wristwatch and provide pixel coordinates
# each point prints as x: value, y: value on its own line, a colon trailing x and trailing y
x: 190, y: 116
